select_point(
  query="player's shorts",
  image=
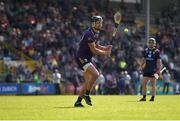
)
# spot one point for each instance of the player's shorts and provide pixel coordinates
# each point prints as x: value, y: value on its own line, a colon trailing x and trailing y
x: 83, y: 63
x: 150, y: 74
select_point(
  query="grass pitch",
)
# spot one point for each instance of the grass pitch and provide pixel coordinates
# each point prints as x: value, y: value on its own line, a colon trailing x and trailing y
x: 104, y: 107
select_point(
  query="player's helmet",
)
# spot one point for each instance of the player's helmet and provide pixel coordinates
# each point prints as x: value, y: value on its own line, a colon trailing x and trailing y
x: 151, y: 43
x: 152, y: 40
x: 96, y: 18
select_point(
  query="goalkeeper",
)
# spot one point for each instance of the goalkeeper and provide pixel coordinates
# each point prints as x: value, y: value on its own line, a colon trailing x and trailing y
x: 151, y: 66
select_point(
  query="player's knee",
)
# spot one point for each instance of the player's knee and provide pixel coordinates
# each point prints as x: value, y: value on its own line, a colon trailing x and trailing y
x: 96, y: 75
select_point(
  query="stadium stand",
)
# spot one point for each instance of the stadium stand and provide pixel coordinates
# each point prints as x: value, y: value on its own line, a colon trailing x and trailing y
x: 48, y: 33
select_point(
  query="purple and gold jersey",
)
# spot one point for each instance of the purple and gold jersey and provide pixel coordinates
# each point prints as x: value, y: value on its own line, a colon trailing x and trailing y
x: 151, y: 56
x: 84, y: 51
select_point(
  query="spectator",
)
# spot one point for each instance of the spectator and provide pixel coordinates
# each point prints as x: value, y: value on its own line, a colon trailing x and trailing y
x: 57, y: 80
x: 121, y: 83
x: 49, y: 32
x: 166, y: 79
x: 127, y: 80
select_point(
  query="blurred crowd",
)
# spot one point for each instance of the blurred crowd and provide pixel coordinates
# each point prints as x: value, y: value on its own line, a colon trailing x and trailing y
x: 50, y: 31
x: 167, y: 36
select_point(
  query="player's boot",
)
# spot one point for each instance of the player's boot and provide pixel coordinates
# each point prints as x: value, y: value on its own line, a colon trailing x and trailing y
x: 87, y: 99
x: 152, y: 100
x: 142, y: 99
x: 78, y: 104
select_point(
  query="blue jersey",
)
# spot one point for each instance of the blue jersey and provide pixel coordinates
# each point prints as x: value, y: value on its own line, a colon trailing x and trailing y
x: 84, y: 51
x: 151, y: 56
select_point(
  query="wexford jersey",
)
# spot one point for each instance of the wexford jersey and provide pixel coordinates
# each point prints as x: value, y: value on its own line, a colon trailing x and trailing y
x: 151, y: 56
x: 84, y: 51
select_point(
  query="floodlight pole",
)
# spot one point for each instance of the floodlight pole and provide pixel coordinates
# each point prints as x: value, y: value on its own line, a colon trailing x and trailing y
x: 147, y: 18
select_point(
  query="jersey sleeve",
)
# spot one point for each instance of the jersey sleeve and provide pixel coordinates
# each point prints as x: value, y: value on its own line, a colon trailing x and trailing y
x: 89, y: 38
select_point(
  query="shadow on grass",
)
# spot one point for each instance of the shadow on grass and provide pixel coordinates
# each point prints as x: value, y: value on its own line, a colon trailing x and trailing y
x: 67, y: 107
x: 132, y: 101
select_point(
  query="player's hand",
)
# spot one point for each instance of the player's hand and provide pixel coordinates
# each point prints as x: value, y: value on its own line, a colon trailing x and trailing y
x: 156, y: 76
x: 109, y: 53
x: 109, y: 48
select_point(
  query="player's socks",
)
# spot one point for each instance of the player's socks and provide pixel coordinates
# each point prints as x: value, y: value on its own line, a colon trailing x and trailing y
x: 143, y: 98
x: 79, y: 99
x: 152, y: 98
x: 87, y: 92
x: 78, y: 102
x: 87, y: 99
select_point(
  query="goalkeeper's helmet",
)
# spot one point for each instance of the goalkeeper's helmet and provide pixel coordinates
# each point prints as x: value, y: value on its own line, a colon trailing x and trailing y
x: 96, y: 18
x: 151, y: 42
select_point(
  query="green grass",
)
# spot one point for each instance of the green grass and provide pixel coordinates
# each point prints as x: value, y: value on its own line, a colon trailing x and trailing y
x: 104, y: 107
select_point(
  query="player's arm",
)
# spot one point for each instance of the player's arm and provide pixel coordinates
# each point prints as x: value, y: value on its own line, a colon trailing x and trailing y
x: 106, y: 48
x: 158, y: 62
x: 143, y: 63
x: 97, y: 51
x: 101, y: 47
x: 158, y: 65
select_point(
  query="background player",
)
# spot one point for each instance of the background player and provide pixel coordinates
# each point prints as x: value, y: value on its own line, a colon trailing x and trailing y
x: 151, y: 66
x: 88, y: 47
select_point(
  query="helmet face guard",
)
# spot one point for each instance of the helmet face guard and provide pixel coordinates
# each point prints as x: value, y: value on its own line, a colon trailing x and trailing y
x: 152, y: 40
x: 96, y: 18
x: 151, y: 43
x: 96, y: 22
